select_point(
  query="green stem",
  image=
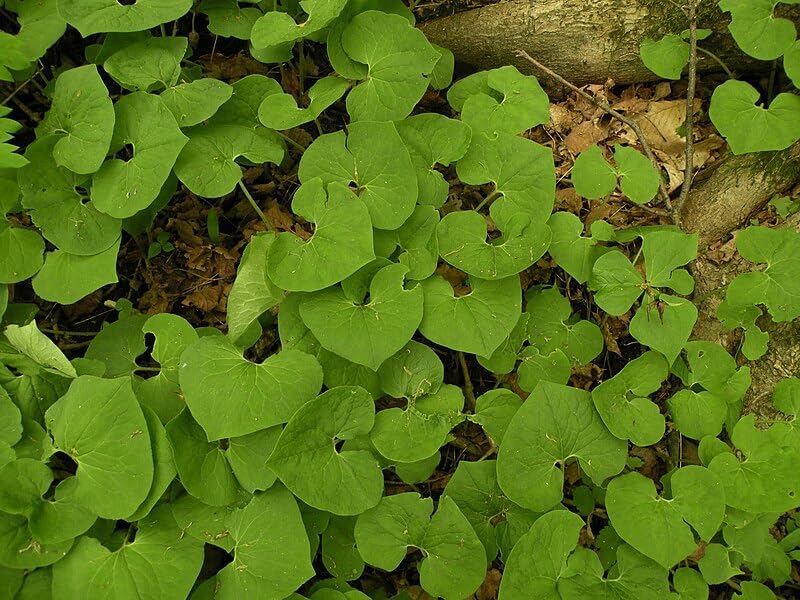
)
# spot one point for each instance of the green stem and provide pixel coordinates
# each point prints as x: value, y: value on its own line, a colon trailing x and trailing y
x: 255, y: 206
x: 490, y: 198
x: 149, y: 369
x: 163, y: 30
x: 297, y: 145
x: 319, y: 126
x: 718, y: 60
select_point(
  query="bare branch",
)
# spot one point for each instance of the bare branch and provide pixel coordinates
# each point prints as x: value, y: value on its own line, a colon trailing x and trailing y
x: 688, y: 171
x: 662, y: 188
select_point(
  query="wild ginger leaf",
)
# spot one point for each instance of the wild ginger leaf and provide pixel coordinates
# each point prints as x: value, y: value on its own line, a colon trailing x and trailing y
x: 19, y: 548
x: 571, y: 251
x: 476, y: 323
x: 539, y: 559
x: 557, y: 424
x: 214, y: 374
x: 346, y: 482
x: 623, y: 404
x: 276, y: 28
x: 203, y: 469
x: 366, y: 333
x: 252, y: 293
x: 82, y: 118
x: 503, y: 360
x: 196, y: 101
x: 659, y: 528
x: 413, y: 371
x: 374, y: 157
x: 171, y: 560
x: 149, y: 65
x: 777, y: 286
x: 10, y: 420
x: 99, y: 423
x: 433, y: 139
x: 56, y: 206
x: 121, y: 188
x: 66, y: 278
x: 552, y: 326
x: 664, y: 324
x: 494, y: 410
x: 522, y: 172
x: 421, y: 428
x: 665, y: 57
x: 455, y: 561
x: 31, y: 342
x: 21, y: 251
x: 398, y: 58
x: 592, y: 176
x: 280, y: 111
x: 96, y: 16
x: 756, y: 30
x: 271, y: 554
x: 749, y: 127
x: 227, y: 19
x: 341, y: 244
x: 515, y: 104
x: 462, y: 243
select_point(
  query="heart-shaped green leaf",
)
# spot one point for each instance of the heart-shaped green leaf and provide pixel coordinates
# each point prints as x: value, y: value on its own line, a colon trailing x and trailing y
x: 66, y: 278
x: 417, y: 238
x: 539, y: 558
x: 271, y: 553
x: 514, y: 103
x: 95, y: 16
x: 171, y: 560
x: 366, y: 333
x: 536, y: 366
x: 418, y: 431
x: 398, y: 58
x: 280, y: 111
x: 623, y: 404
x: 777, y: 286
x: 476, y: 323
x: 344, y: 482
x: 756, y: 30
x: 214, y: 374
x: 21, y: 251
x: 82, y: 117
x: 504, y: 358
x: 227, y: 19
x: 276, y: 28
x: 749, y: 127
x: 556, y: 424
x: 494, y: 411
x: 455, y: 561
x: 791, y: 63
x: 150, y: 65
x: 713, y: 382
x: 376, y: 160
x: 35, y: 345
x: 552, y: 326
x: 616, y: 282
x: 522, y: 172
x: 664, y: 324
x: 19, y: 548
x: 161, y: 392
x: 592, y: 176
x: 99, y: 423
x: 196, y: 101
x: 462, y: 243
x: 433, y: 139
x: 62, y: 213
x: 659, y: 528
x: 341, y: 244
x: 252, y: 293
x: 121, y: 188
x: 665, y: 57
x: 412, y: 372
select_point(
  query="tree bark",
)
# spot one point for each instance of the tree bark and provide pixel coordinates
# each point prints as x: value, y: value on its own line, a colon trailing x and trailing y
x: 587, y: 41
x: 720, y: 204
x: 734, y: 190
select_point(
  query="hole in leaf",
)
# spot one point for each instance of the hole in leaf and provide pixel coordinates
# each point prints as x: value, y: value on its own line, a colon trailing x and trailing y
x: 126, y: 152
x: 697, y: 388
x: 126, y: 2
x: 337, y: 445
x: 224, y: 444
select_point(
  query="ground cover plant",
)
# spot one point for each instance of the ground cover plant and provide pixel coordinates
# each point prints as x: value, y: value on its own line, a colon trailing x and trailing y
x: 291, y: 311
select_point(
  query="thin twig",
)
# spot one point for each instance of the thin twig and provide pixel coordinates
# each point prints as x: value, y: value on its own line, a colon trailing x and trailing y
x: 469, y: 389
x: 69, y: 333
x: 19, y: 88
x: 771, y: 85
x: 255, y: 206
x: 662, y: 188
x: 688, y: 171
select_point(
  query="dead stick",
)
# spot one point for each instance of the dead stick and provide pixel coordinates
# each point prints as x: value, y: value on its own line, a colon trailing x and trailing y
x: 688, y: 173
x: 614, y: 113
